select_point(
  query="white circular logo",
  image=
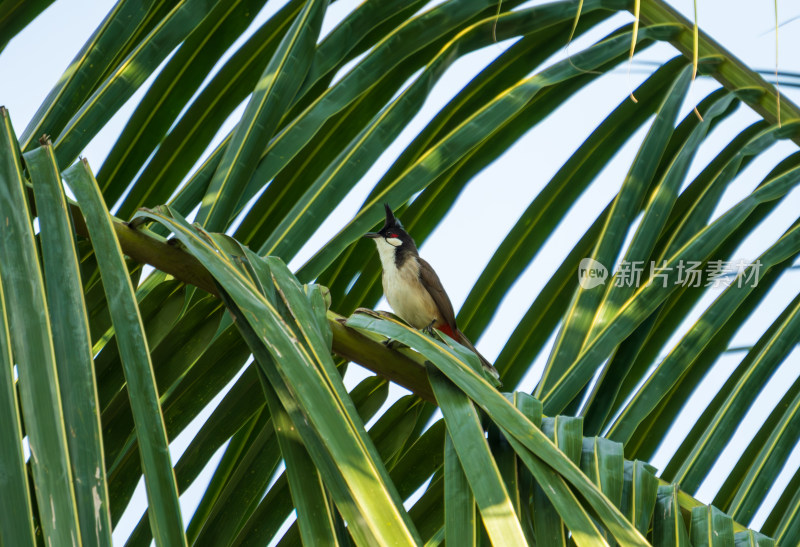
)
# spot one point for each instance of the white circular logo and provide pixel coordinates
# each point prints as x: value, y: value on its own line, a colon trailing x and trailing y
x: 591, y: 273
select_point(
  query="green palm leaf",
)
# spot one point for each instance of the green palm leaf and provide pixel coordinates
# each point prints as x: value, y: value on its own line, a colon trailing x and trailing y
x: 231, y: 401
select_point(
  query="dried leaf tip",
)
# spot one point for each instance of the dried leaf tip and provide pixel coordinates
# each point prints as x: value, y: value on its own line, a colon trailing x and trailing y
x: 44, y: 140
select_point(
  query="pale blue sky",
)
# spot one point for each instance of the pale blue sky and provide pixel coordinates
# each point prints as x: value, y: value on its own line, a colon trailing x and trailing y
x: 491, y: 204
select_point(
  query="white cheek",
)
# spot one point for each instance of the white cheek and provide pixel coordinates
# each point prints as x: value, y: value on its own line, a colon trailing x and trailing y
x: 393, y: 241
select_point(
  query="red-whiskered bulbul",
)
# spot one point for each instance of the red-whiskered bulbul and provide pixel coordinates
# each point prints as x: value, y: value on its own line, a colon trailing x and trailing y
x: 412, y: 287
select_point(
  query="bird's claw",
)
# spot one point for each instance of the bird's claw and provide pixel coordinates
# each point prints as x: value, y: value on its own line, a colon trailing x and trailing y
x: 391, y: 343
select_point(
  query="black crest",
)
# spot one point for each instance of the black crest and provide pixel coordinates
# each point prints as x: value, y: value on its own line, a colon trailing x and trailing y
x: 391, y: 221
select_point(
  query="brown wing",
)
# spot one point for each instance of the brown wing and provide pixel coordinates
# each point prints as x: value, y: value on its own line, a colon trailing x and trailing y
x: 431, y: 282
x: 434, y: 287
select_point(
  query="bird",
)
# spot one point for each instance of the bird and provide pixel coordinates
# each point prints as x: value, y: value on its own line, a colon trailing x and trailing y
x: 412, y: 287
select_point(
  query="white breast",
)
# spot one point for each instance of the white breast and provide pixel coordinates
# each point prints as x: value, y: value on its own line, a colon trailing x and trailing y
x: 406, y: 295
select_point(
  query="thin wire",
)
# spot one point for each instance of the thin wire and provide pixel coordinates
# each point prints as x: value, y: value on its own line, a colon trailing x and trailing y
x: 777, y: 83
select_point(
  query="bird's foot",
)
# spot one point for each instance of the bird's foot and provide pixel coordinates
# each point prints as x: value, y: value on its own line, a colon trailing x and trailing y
x: 391, y: 343
x: 429, y: 329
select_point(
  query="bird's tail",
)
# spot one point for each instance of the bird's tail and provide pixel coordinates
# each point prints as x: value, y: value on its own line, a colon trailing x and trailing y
x: 459, y: 337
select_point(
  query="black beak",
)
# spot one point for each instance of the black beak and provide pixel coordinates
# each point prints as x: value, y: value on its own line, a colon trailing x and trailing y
x: 372, y: 235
